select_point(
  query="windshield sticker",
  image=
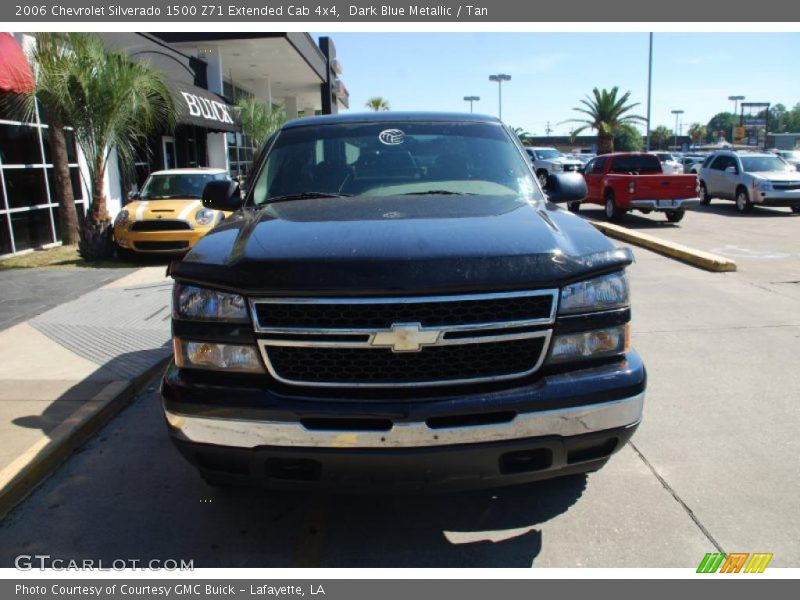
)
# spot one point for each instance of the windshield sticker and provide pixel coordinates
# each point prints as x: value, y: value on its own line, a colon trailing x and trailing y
x: 392, y: 137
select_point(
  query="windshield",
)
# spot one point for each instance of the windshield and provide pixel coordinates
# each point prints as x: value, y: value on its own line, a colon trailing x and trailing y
x: 760, y: 164
x: 642, y: 164
x: 178, y: 185
x: 663, y: 156
x: 548, y: 154
x: 383, y: 159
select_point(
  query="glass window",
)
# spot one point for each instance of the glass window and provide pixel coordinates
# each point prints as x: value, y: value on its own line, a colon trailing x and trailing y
x: 638, y: 164
x: 547, y: 154
x: 56, y: 210
x: 765, y: 164
x: 75, y: 179
x: 599, y: 164
x: 25, y: 187
x: 5, y: 238
x: 31, y: 228
x: 19, y: 145
x: 722, y: 162
x: 69, y: 138
x: 395, y: 159
x: 178, y: 186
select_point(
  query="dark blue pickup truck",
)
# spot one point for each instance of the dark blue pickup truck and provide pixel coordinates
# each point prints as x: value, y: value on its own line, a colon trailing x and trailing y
x: 395, y: 303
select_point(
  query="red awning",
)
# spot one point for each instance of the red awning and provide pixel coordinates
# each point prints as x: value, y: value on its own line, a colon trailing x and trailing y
x: 15, y: 71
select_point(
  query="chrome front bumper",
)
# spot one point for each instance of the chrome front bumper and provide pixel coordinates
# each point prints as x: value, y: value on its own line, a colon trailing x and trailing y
x: 673, y: 204
x: 252, y: 434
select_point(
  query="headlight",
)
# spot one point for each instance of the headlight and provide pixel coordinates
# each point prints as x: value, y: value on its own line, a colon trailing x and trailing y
x: 601, y: 293
x: 192, y: 302
x: 557, y: 166
x: 204, y: 216
x: 122, y: 218
x: 763, y: 185
x: 221, y: 357
x: 590, y: 344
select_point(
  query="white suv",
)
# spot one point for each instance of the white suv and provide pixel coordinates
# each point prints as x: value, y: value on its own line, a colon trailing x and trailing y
x: 750, y: 178
x: 549, y: 160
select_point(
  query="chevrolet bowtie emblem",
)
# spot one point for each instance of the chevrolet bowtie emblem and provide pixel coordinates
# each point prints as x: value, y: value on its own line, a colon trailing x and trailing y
x: 406, y: 337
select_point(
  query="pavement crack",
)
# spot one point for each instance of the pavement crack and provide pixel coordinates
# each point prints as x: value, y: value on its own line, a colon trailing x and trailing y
x: 678, y: 499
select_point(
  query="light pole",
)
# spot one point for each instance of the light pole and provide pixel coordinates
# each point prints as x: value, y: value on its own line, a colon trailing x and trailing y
x: 676, y: 113
x: 500, y: 78
x: 471, y: 99
x: 649, y: 89
x: 735, y: 110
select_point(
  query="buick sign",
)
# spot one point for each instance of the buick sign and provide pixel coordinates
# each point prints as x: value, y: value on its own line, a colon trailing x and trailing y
x: 207, y: 109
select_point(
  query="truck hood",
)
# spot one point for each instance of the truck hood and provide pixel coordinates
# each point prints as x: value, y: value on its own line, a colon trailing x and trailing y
x: 399, y: 244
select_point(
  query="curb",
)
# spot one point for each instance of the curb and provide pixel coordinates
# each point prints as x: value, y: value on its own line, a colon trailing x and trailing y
x: 38, y: 462
x: 692, y: 256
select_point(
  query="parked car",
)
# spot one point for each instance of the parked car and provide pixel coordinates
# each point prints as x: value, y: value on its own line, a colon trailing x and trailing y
x: 547, y: 161
x: 396, y: 303
x: 584, y: 159
x: 627, y: 181
x: 790, y: 156
x: 750, y: 179
x: 669, y: 165
x: 167, y: 215
x: 691, y: 163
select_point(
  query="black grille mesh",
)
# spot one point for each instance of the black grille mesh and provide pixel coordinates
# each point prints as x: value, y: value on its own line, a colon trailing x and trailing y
x: 383, y: 315
x: 382, y: 366
x: 160, y: 225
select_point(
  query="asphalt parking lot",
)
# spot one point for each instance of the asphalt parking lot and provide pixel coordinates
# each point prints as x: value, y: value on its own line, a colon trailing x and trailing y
x: 713, y: 466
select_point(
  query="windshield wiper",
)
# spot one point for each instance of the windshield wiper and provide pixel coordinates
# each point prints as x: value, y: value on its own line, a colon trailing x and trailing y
x: 439, y: 193
x: 305, y: 195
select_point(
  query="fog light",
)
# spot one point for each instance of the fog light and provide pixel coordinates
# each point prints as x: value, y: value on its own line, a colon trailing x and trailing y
x: 219, y: 357
x: 590, y: 344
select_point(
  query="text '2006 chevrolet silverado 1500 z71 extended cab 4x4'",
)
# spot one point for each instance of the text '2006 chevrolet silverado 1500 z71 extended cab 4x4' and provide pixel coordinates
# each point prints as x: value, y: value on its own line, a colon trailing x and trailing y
x: 635, y: 181
x: 396, y: 303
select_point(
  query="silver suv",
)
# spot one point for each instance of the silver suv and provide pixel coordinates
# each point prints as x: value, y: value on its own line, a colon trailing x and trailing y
x: 750, y: 179
x: 547, y: 161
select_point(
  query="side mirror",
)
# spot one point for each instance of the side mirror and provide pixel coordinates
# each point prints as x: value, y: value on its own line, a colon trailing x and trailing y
x: 732, y: 169
x: 133, y: 195
x: 222, y: 195
x: 566, y: 187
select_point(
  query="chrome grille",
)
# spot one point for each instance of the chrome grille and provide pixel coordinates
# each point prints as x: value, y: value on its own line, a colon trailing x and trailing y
x: 412, y: 341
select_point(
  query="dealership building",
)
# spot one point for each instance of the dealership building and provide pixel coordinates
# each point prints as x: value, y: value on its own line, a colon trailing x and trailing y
x: 207, y: 74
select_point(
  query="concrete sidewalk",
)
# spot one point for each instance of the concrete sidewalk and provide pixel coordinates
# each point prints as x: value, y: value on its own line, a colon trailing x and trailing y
x: 67, y: 370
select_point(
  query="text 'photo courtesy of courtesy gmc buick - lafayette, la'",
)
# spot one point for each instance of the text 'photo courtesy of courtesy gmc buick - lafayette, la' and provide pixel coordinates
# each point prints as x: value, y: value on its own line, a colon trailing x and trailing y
x: 396, y: 304
x: 635, y: 181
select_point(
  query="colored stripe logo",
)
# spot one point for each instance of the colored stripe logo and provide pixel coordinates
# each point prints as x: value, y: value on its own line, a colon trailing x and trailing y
x: 736, y: 562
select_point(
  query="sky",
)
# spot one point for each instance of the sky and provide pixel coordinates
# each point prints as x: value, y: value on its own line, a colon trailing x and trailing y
x: 551, y: 72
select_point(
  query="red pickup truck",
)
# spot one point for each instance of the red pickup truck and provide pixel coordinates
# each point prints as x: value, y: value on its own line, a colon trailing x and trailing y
x: 626, y: 181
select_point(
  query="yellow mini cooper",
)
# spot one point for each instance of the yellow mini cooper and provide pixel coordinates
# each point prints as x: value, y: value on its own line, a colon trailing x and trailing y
x: 167, y: 216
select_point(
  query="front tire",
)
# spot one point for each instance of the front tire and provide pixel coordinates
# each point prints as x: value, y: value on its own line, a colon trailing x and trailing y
x: 612, y: 212
x: 674, y: 216
x: 704, y: 197
x: 743, y: 204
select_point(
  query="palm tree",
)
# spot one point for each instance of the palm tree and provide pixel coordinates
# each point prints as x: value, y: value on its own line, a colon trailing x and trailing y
x: 606, y: 113
x: 258, y: 121
x: 52, y: 57
x: 521, y: 133
x: 661, y: 136
x: 113, y: 104
x: 697, y: 132
x: 378, y: 104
